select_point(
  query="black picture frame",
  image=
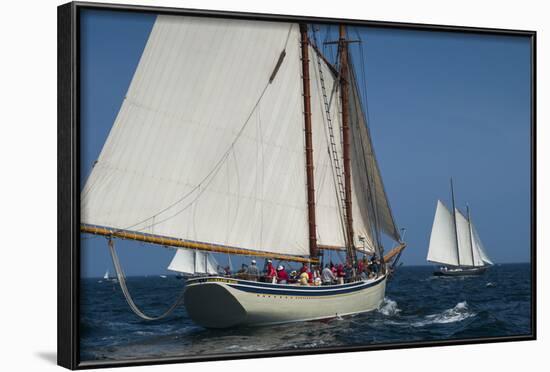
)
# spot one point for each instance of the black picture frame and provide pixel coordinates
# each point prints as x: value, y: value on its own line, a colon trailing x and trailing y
x: 69, y: 175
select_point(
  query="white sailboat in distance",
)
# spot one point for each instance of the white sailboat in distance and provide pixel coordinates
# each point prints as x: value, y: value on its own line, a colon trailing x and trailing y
x: 239, y: 137
x: 455, y: 243
x: 108, y: 278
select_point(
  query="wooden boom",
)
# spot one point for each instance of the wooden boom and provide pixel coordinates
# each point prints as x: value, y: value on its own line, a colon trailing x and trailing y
x: 394, y: 252
x: 162, y: 240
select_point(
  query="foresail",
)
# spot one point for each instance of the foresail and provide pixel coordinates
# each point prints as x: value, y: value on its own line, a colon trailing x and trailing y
x: 365, y: 170
x: 479, y: 248
x: 443, y: 247
x: 208, y: 145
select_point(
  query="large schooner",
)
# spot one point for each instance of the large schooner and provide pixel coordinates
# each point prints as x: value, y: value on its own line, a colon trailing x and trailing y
x: 455, y: 243
x: 240, y: 137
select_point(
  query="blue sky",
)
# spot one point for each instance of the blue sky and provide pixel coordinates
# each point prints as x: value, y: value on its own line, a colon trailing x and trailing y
x: 440, y: 105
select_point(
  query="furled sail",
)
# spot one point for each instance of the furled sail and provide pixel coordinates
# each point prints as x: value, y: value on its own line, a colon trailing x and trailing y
x: 465, y: 248
x: 367, y: 179
x: 193, y: 262
x: 443, y: 249
x: 208, y: 145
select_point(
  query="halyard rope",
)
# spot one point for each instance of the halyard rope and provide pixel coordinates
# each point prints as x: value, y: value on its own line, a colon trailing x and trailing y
x: 122, y: 281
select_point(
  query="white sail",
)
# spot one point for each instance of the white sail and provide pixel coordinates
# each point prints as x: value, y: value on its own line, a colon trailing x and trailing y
x: 204, y: 148
x: 465, y: 248
x: 329, y: 201
x: 443, y: 247
x: 366, y: 173
x: 328, y: 207
x: 193, y: 262
x: 479, y: 249
x: 106, y: 276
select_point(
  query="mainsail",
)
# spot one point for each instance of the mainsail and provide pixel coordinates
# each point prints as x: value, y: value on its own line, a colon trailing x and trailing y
x: 208, y: 146
x: 443, y: 248
x: 204, y: 147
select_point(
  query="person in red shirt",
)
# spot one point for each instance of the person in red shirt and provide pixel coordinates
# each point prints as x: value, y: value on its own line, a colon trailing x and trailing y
x: 282, y: 276
x: 270, y: 273
x: 340, y: 273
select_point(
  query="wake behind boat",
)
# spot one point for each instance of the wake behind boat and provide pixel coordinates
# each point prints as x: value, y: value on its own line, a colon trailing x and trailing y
x: 256, y: 146
x: 455, y: 243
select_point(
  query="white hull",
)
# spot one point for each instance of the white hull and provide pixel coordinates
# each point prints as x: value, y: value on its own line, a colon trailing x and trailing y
x: 217, y: 302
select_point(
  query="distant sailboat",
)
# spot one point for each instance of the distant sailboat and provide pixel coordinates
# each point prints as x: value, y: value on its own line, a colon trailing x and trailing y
x: 455, y: 243
x: 239, y: 137
x: 189, y: 263
x: 108, y: 278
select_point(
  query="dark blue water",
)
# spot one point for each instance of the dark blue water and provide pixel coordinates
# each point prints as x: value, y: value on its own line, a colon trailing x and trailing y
x: 418, y: 306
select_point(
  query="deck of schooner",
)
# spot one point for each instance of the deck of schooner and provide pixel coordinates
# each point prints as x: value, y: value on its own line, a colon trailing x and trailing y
x: 239, y: 137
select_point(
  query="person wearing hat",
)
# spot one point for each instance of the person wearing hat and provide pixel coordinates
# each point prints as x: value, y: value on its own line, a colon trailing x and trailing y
x: 328, y: 276
x: 252, y: 271
x: 282, y: 276
x: 270, y: 273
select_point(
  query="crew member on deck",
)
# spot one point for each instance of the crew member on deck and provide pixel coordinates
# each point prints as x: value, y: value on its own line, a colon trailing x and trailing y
x: 327, y: 275
x: 340, y: 274
x: 282, y: 276
x: 304, y: 278
x: 305, y: 269
x: 252, y: 271
x: 348, y: 272
x: 270, y: 273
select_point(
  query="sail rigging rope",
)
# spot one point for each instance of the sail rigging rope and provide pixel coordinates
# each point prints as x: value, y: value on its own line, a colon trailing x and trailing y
x: 122, y: 281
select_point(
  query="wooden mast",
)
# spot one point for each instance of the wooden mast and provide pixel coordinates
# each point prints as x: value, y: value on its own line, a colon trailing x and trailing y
x: 310, y: 181
x: 344, y: 91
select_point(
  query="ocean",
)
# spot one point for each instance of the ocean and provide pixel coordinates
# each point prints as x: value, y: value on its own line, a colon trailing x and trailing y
x: 417, y: 307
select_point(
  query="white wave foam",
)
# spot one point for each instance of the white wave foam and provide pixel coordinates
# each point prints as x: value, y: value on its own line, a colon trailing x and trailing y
x: 456, y: 314
x: 389, y: 307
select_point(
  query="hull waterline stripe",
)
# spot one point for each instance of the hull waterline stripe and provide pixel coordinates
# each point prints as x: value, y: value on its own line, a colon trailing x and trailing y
x: 300, y: 292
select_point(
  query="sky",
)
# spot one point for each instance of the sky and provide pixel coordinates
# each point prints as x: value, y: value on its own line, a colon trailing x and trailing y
x: 440, y: 105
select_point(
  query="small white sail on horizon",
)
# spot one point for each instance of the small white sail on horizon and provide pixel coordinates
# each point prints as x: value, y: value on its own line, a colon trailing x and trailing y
x: 193, y: 262
x: 106, y: 275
